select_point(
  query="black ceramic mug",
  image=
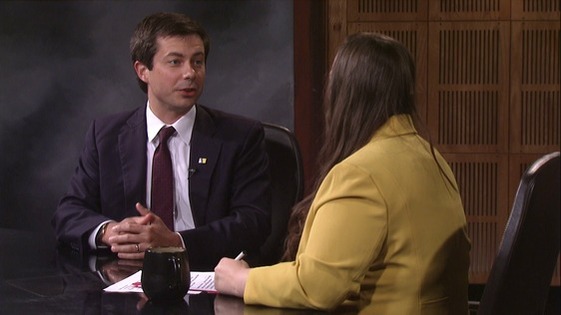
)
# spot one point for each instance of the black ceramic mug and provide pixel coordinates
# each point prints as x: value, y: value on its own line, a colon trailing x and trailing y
x: 165, y: 273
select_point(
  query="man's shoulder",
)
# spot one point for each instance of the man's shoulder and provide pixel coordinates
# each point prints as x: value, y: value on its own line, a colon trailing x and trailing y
x: 114, y: 124
x: 225, y: 122
x: 120, y: 117
x: 223, y: 116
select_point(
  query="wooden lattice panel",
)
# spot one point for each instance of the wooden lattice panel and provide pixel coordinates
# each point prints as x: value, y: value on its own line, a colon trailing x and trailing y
x: 536, y: 10
x: 485, y: 239
x: 535, y: 87
x: 387, y: 10
x: 468, y: 86
x: 483, y: 183
x: 414, y: 37
x: 450, y: 10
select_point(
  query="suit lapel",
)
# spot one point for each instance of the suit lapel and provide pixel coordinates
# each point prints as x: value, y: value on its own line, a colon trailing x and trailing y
x: 205, y: 149
x: 132, y: 152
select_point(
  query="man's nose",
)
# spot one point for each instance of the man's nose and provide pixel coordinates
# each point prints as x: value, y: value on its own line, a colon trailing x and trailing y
x: 188, y: 72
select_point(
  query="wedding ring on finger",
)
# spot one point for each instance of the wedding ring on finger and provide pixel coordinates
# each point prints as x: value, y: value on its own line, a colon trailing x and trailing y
x: 137, y: 248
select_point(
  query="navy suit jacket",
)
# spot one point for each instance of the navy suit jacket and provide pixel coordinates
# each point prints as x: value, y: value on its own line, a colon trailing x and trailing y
x: 230, y: 193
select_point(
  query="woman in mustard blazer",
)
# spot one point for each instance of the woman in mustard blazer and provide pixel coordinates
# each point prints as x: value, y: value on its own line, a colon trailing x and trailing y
x: 384, y: 231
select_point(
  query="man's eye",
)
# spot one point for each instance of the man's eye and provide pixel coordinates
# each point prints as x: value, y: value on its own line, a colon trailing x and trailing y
x: 199, y: 63
x: 174, y: 62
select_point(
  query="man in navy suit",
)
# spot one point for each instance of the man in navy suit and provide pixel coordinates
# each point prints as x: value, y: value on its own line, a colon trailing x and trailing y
x: 221, y: 200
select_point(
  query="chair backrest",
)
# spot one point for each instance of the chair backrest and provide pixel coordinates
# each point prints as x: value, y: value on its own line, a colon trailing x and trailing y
x: 287, y: 184
x: 521, y: 274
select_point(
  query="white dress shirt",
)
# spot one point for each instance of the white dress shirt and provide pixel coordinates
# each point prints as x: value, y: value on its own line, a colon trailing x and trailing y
x: 180, y: 148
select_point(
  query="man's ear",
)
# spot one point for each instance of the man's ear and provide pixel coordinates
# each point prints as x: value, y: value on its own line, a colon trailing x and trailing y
x: 141, y: 71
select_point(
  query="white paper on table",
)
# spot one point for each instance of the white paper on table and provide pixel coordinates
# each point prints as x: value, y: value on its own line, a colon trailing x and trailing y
x: 129, y: 284
x: 200, y: 282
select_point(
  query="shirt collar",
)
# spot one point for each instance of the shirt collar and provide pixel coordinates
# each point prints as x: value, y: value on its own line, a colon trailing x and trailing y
x: 183, y: 126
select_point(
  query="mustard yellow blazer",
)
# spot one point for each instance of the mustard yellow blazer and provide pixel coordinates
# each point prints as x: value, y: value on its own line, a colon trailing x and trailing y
x: 386, y: 232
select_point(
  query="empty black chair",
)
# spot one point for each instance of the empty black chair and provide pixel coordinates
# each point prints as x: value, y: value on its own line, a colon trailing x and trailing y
x: 521, y: 274
x: 287, y: 183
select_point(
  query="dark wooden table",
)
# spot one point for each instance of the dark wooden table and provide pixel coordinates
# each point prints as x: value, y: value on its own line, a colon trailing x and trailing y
x: 36, y: 277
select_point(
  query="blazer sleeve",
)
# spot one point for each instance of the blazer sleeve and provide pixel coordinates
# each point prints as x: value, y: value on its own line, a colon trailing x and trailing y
x: 78, y: 211
x: 102, y: 187
x: 344, y: 232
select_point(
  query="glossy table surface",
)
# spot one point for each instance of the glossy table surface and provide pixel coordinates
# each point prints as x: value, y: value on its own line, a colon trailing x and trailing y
x: 38, y: 278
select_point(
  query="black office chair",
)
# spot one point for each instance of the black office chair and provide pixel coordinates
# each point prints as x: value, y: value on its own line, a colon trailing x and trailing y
x: 287, y: 183
x: 521, y: 274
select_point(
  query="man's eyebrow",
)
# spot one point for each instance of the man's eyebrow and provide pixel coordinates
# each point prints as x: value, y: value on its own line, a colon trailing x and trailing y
x: 178, y: 54
x: 199, y: 54
x: 175, y: 54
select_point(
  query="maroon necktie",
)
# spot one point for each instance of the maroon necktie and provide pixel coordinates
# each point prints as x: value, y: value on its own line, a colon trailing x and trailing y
x: 162, y: 179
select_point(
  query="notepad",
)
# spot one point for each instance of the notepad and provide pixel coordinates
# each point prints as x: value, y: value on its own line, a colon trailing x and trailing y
x: 200, y: 282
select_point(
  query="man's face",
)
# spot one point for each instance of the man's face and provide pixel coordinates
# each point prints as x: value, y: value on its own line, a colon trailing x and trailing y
x: 177, y: 78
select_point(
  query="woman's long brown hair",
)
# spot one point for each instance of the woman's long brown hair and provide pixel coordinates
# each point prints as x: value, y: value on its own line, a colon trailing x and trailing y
x: 372, y: 78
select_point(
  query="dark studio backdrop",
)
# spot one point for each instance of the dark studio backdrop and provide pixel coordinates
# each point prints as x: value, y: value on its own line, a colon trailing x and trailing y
x: 63, y: 63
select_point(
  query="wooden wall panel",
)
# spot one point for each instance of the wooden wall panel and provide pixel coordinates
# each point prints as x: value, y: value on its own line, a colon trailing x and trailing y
x: 471, y: 10
x: 387, y: 10
x: 468, y: 81
x: 309, y: 75
x: 535, y: 87
x: 483, y: 183
x: 536, y: 10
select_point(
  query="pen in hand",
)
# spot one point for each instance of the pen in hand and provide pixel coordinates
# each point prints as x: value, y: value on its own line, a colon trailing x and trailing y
x: 240, y: 256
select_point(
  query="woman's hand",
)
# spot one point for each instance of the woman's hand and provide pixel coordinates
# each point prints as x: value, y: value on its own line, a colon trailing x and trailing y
x: 230, y: 276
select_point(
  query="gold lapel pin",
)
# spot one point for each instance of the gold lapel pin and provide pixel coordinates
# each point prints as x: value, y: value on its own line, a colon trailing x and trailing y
x: 202, y: 160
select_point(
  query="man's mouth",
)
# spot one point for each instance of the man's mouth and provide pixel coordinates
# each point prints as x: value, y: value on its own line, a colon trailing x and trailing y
x: 188, y: 91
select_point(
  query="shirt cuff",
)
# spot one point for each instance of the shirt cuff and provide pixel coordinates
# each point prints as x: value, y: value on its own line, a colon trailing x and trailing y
x: 91, y: 239
x: 181, y: 238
